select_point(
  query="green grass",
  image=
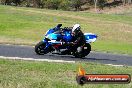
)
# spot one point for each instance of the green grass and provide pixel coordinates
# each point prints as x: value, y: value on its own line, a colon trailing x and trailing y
x: 19, y: 25
x: 33, y: 74
x: 109, y: 47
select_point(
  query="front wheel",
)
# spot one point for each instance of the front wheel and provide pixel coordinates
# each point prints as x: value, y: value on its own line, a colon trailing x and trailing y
x: 39, y: 48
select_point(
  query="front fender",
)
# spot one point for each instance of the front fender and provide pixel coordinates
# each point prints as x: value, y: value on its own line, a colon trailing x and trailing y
x: 45, y: 40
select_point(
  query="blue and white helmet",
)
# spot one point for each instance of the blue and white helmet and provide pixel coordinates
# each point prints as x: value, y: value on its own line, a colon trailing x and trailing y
x: 76, y: 27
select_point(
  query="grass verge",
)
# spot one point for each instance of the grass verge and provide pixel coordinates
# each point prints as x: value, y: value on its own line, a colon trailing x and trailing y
x: 34, y: 74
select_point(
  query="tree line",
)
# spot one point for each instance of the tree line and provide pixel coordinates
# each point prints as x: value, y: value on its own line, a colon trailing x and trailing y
x: 66, y: 4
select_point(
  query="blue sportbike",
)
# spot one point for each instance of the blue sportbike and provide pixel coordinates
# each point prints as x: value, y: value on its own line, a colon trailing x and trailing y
x: 61, y: 40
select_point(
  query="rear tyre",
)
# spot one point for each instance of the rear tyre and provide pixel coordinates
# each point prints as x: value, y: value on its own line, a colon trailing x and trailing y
x: 82, y: 52
x: 39, y: 48
x: 87, y: 50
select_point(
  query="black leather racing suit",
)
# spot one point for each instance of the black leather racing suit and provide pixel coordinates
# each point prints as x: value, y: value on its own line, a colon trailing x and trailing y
x: 79, y: 40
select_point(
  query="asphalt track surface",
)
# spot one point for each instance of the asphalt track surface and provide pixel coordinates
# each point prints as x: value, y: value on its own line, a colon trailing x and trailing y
x: 28, y: 52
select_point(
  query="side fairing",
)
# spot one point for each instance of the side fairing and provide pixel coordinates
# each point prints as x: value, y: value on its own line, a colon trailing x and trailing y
x: 53, y: 36
x: 67, y: 37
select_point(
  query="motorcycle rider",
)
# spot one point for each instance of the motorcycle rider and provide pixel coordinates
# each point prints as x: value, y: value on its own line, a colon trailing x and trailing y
x: 78, y: 39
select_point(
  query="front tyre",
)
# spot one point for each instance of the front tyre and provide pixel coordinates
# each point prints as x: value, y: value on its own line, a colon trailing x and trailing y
x: 39, y: 48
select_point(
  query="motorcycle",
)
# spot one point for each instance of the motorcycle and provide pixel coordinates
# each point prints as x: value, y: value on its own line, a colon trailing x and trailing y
x: 62, y: 41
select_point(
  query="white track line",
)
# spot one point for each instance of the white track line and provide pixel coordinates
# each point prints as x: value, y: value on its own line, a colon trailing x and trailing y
x: 18, y: 45
x: 48, y: 60
x: 115, y: 65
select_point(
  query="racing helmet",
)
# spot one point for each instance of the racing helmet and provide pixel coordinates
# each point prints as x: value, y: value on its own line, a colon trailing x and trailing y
x: 76, y: 28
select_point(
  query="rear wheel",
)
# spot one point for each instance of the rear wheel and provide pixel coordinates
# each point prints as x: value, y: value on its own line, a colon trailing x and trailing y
x: 39, y: 48
x: 82, y: 52
x: 86, y: 49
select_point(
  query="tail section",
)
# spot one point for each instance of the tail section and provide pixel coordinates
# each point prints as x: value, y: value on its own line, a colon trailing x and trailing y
x: 90, y: 37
